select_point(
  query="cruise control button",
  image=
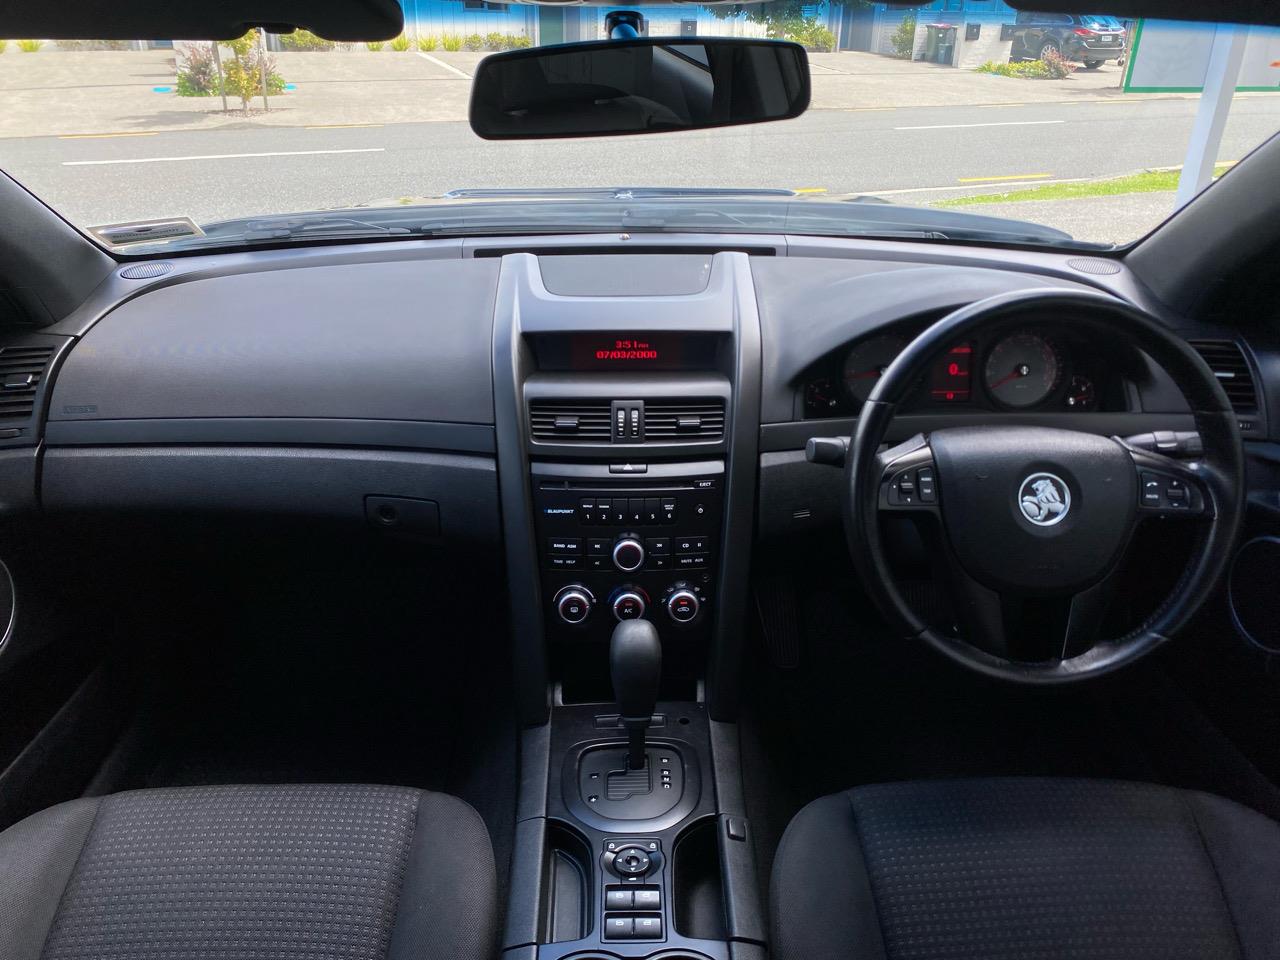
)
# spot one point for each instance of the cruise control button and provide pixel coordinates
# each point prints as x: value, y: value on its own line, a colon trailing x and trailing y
x: 924, y: 485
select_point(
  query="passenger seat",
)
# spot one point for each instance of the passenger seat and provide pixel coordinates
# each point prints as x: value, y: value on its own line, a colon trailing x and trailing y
x: 321, y: 872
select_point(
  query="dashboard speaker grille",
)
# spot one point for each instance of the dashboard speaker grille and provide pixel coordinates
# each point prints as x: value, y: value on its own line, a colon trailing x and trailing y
x: 1095, y: 265
x: 146, y: 271
x: 1228, y: 363
x: 683, y: 421
x: 569, y: 421
x: 21, y: 371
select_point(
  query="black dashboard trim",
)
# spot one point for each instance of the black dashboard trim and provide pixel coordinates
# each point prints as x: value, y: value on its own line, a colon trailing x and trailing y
x: 304, y: 431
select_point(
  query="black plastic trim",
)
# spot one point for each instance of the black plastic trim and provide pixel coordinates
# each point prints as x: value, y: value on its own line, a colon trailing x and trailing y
x: 308, y: 431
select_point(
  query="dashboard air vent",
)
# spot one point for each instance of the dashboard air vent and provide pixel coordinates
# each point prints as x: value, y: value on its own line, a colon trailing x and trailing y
x: 569, y: 421
x: 683, y: 421
x: 21, y: 370
x: 1229, y: 365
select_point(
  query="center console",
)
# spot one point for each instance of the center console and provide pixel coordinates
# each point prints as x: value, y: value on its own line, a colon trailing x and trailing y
x: 626, y: 413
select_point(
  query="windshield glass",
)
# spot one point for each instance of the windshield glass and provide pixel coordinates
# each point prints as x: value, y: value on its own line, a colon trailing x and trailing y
x: 958, y: 120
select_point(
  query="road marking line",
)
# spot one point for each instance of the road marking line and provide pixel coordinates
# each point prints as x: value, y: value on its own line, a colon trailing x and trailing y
x: 440, y: 63
x: 1003, y: 123
x: 809, y: 190
x: 218, y: 156
x: 1007, y: 176
x: 953, y: 188
x: 103, y: 136
x: 338, y: 126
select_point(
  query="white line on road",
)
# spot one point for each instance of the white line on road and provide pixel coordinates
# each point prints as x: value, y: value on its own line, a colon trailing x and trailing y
x: 1006, y: 123
x: 219, y: 156
x: 440, y: 63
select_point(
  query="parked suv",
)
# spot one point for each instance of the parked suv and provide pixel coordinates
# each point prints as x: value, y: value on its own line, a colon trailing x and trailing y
x: 1086, y: 38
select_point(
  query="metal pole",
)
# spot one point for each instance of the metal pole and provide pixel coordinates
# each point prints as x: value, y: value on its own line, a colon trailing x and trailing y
x: 217, y: 65
x: 1215, y: 103
x: 262, y: 63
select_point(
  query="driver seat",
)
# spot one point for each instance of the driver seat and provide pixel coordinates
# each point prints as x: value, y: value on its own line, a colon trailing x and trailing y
x: 1026, y: 867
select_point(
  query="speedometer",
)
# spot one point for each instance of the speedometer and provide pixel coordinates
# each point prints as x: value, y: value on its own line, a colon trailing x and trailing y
x: 1023, y: 369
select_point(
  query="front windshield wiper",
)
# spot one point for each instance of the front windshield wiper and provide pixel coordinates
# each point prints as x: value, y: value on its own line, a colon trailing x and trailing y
x: 265, y: 229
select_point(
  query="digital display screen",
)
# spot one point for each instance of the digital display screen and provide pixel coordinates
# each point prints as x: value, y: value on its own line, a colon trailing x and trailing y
x: 625, y: 350
x: 950, y: 380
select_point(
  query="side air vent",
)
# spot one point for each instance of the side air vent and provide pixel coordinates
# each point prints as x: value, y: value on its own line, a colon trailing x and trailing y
x: 569, y: 421
x: 683, y: 421
x: 1229, y: 365
x: 21, y: 371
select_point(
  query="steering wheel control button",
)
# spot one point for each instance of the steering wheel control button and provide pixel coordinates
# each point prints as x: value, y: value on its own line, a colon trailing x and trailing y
x: 1151, y: 490
x: 1167, y: 494
x: 1044, y: 499
x: 925, y: 488
x: 628, y: 555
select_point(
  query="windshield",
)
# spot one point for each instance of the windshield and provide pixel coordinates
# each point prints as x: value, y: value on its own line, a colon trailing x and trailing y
x: 956, y: 121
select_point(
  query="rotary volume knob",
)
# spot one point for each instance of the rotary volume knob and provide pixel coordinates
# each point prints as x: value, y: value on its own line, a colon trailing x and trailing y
x: 628, y: 554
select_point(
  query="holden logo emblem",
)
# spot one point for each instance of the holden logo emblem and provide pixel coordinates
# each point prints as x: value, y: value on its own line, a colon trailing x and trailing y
x: 1044, y: 499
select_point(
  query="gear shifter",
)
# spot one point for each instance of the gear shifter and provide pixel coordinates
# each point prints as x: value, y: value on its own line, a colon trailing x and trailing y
x: 635, y: 664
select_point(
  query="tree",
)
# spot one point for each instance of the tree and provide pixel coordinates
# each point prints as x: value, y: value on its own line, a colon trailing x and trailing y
x: 242, y: 74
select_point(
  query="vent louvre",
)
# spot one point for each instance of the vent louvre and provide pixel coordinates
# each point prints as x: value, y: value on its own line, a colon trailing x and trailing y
x: 22, y: 370
x: 683, y: 421
x: 1228, y: 363
x: 569, y: 421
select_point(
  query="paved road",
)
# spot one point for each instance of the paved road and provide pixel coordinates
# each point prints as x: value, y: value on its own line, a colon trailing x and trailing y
x: 211, y: 174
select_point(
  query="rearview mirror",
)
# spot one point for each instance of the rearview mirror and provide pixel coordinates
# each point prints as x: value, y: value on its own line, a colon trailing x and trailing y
x: 642, y: 85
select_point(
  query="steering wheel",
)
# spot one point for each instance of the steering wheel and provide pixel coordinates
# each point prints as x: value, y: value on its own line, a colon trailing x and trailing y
x: 1029, y: 512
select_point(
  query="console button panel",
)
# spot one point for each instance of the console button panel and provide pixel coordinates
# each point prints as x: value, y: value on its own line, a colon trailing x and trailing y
x: 628, y: 537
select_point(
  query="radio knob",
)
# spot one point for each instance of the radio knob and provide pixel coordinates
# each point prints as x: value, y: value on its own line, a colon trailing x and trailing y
x: 573, y: 604
x: 629, y: 605
x: 628, y: 554
x: 683, y: 605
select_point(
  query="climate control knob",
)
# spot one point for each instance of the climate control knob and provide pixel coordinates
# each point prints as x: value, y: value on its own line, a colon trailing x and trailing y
x: 573, y: 603
x: 683, y: 605
x: 628, y: 554
x: 629, y: 604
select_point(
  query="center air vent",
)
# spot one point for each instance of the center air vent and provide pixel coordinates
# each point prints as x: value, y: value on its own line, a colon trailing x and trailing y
x: 21, y: 370
x: 1229, y: 365
x: 683, y: 421
x: 631, y: 422
x: 569, y: 421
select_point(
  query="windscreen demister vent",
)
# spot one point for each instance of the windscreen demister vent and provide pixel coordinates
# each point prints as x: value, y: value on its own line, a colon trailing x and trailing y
x: 21, y: 371
x: 683, y: 421
x: 1228, y: 363
x: 569, y: 421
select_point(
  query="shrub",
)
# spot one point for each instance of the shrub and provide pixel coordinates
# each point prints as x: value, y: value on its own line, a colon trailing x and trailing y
x: 451, y: 42
x: 495, y: 41
x: 242, y: 74
x: 519, y: 42
x: 807, y: 32
x: 82, y: 45
x: 373, y: 46
x: 401, y: 43
x: 305, y: 40
x: 4, y: 45
x: 473, y: 42
x: 197, y: 72
x: 30, y: 46
x: 427, y: 44
x: 904, y: 38
x: 1059, y: 67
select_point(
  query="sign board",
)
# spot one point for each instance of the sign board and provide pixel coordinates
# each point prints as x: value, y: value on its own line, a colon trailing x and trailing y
x: 1170, y: 56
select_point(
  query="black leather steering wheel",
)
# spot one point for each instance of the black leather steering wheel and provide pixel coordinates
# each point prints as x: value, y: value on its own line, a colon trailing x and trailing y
x: 1042, y: 512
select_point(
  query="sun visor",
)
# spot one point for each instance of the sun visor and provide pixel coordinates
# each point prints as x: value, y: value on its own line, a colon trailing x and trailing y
x: 1219, y: 11
x: 342, y: 20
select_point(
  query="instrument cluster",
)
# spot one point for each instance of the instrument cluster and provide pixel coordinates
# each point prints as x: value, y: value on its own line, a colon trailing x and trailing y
x: 1032, y: 368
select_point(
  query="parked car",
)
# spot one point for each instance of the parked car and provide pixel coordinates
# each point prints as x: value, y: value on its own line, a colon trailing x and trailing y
x: 1087, y: 38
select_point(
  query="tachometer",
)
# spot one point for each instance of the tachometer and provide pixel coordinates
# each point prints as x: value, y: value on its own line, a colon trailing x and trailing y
x: 1023, y: 369
x: 866, y: 361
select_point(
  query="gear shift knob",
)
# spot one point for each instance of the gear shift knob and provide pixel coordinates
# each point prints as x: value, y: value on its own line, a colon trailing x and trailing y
x: 635, y: 665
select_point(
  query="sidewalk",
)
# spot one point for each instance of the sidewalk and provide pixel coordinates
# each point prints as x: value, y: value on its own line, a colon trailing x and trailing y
x: 55, y: 93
